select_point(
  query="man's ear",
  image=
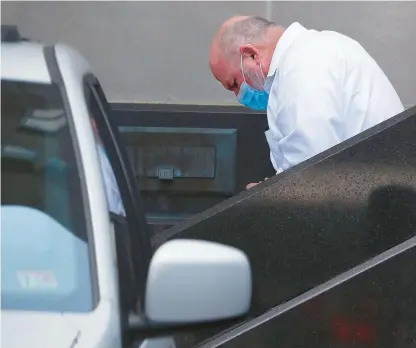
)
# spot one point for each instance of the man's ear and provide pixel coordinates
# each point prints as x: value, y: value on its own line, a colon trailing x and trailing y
x: 248, y: 50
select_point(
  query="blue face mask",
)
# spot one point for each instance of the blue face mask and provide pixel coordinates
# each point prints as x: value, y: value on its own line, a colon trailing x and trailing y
x: 250, y: 97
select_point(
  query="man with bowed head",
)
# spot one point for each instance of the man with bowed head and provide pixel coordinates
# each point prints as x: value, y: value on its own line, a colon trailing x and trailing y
x: 319, y: 87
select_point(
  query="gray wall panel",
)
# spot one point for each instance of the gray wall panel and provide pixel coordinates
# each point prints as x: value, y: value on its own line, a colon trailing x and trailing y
x: 158, y: 51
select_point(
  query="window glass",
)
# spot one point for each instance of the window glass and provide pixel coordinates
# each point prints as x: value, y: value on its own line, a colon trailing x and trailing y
x: 45, y: 247
x: 112, y: 190
x: 131, y: 239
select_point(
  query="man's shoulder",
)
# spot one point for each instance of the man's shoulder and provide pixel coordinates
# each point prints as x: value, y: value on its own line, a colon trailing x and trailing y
x: 319, y: 46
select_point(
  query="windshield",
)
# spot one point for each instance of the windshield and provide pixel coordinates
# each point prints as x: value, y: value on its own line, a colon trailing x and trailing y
x: 45, y: 262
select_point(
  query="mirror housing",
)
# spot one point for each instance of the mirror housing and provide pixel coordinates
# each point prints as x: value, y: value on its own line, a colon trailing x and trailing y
x: 191, y: 282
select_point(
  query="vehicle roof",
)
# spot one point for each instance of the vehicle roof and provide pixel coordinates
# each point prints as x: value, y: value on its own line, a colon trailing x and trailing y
x: 24, y: 61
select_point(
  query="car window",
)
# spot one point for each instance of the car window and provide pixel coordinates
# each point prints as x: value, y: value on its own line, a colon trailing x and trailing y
x: 112, y: 190
x: 45, y: 246
x: 130, y: 261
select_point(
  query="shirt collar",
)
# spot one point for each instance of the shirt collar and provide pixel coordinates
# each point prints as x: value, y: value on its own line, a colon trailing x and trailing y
x: 286, y: 40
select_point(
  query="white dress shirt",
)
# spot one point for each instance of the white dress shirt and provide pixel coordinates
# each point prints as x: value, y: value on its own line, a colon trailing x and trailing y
x: 114, y: 201
x: 323, y: 89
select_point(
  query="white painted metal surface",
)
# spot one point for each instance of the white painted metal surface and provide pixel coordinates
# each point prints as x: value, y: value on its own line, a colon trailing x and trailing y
x: 192, y: 281
x: 100, y: 328
x: 24, y: 62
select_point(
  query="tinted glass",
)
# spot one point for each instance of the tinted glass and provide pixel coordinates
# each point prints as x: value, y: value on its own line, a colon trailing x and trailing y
x: 45, y: 252
x: 374, y: 309
x: 115, y: 203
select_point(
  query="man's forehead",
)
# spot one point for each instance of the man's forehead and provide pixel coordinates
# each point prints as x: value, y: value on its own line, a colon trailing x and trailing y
x: 224, y: 72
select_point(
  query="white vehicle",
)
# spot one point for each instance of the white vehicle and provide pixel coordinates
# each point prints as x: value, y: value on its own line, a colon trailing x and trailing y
x: 74, y: 274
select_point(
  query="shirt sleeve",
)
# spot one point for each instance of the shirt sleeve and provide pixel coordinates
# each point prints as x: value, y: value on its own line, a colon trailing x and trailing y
x: 309, y: 96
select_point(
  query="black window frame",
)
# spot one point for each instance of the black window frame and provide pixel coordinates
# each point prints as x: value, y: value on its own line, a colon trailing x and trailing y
x: 134, y: 223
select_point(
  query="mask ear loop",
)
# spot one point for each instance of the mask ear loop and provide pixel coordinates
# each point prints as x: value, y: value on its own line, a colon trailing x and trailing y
x: 242, y: 68
x: 262, y: 75
x: 243, y: 73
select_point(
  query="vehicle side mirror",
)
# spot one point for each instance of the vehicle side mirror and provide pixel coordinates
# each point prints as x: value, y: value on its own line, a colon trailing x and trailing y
x: 191, y: 281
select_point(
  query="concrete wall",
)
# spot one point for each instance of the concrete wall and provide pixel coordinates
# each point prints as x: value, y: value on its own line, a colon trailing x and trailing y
x: 158, y: 51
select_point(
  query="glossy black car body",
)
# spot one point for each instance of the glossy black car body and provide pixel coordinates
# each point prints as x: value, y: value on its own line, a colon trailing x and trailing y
x: 305, y: 227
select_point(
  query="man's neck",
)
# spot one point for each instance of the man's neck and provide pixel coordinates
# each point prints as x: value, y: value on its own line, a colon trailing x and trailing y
x: 273, y: 36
